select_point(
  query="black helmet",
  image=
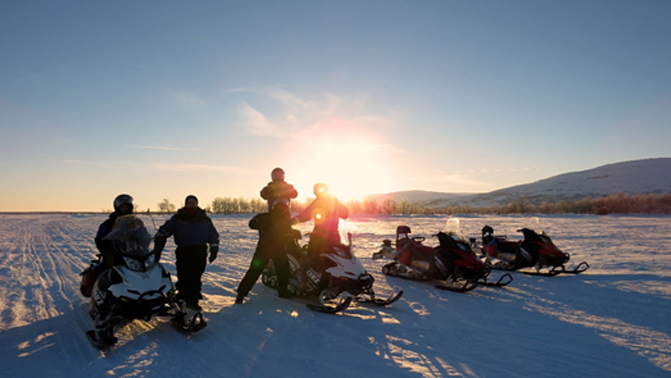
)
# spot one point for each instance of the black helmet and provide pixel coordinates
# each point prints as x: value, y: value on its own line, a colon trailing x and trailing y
x: 123, y: 199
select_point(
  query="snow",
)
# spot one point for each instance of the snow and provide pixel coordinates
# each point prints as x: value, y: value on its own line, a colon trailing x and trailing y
x: 612, y: 320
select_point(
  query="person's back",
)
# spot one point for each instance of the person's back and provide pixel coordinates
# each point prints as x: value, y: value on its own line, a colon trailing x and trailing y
x: 278, y: 189
x: 275, y: 233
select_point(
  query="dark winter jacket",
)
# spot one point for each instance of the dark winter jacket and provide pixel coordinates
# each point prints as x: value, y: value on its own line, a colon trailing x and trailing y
x: 274, y: 230
x: 105, y: 246
x: 278, y: 190
x: 190, y: 230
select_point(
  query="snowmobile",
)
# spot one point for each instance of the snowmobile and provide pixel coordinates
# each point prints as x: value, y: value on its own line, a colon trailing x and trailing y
x: 136, y: 287
x: 536, y: 250
x: 335, y: 279
x: 452, y: 265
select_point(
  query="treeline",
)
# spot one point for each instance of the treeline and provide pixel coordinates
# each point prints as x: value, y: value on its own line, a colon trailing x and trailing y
x: 615, y: 204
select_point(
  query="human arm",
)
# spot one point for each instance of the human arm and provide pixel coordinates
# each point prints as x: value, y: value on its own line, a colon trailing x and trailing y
x: 343, y: 212
x: 161, y: 237
x: 214, y: 243
x: 278, y: 189
x: 306, y: 214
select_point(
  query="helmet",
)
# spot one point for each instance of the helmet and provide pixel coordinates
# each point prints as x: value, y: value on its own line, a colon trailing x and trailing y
x: 320, y: 189
x: 277, y: 174
x: 123, y: 199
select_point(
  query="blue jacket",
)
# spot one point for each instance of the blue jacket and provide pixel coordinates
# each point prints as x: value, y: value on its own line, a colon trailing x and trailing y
x: 190, y: 230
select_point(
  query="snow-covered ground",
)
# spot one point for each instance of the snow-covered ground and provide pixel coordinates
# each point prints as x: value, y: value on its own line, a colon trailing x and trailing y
x: 611, y: 321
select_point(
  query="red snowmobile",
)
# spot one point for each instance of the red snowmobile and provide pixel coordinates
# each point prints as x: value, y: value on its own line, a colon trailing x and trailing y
x: 536, y: 251
x: 452, y: 265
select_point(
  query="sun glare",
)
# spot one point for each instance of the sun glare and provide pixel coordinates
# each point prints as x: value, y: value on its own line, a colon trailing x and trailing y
x: 350, y: 168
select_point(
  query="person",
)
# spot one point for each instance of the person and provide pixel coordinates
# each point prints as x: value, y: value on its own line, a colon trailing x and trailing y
x: 278, y: 189
x: 193, y: 231
x: 275, y: 233
x: 326, y: 211
x: 108, y: 254
x: 123, y: 205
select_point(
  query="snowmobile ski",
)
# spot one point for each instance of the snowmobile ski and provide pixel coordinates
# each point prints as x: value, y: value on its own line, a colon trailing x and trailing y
x: 456, y: 286
x: 194, y: 324
x: 556, y: 270
x: 504, y: 280
x: 382, y: 302
x: 342, y: 306
x: 102, y: 343
x: 544, y: 273
x: 583, y: 266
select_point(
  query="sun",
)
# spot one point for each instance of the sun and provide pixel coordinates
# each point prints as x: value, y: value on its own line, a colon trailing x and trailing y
x: 350, y: 165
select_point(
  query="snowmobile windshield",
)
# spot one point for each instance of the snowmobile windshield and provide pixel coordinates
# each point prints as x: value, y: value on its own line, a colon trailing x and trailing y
x: 453, y: 229
x: 344, y: 232
x: 129, y: 236
x: 534, y: 224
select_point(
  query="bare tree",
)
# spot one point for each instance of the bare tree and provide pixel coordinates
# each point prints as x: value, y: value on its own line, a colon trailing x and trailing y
x: 166, y: 206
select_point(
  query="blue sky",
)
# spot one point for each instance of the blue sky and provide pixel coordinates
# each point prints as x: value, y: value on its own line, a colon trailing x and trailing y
x: 161, y: 99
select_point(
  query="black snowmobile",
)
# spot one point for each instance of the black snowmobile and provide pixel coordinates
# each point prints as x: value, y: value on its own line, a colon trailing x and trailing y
x: 136, y: 287
x: 341, y: 280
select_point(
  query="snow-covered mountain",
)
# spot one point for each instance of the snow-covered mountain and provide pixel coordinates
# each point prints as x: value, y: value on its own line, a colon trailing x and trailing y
x: 417, y: 196
x: 647, y: 176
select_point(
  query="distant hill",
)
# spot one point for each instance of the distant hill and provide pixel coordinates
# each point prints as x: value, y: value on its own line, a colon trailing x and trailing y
x: 417, y: 196
x: 647, y: 176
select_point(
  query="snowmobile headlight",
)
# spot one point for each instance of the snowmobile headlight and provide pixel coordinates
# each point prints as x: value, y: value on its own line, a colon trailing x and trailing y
x: 133, y: 264
x: 150, y: 262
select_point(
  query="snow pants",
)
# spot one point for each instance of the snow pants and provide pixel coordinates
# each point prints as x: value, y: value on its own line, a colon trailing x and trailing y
x: 261, y: 258
x: 191, y: 263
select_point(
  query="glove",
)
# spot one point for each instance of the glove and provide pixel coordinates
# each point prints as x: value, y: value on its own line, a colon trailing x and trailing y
x: 213, y: 253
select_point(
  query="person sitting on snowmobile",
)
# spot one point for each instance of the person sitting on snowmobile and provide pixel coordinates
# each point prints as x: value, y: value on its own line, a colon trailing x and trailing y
x: 193, y: 231
x: 326, y: 211
x: 109, y: 255
x: 278, y: 189
x: 275, y: 234
x: 123, y: 205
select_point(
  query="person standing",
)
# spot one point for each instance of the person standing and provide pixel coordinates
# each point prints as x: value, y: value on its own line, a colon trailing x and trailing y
x: 278, y: 189
x: 193, y: 231
x: 275, y: 233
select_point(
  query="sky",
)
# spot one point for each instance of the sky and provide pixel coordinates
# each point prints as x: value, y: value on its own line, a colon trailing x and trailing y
x: 161, y: 99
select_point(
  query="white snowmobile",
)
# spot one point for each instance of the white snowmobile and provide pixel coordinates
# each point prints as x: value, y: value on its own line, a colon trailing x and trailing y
x: 136, y: 287
x: 341, y: 281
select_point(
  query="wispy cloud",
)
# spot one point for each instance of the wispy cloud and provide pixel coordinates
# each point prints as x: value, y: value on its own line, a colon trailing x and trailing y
x: 187, y: 99
x: 117, y: 165
x: 277, y: 112
x: 165, y: 148
x: 257, y: 123
x: 195, y: 167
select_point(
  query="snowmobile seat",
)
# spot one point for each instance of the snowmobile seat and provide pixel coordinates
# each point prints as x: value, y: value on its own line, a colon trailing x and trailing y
x: 403, y: 232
